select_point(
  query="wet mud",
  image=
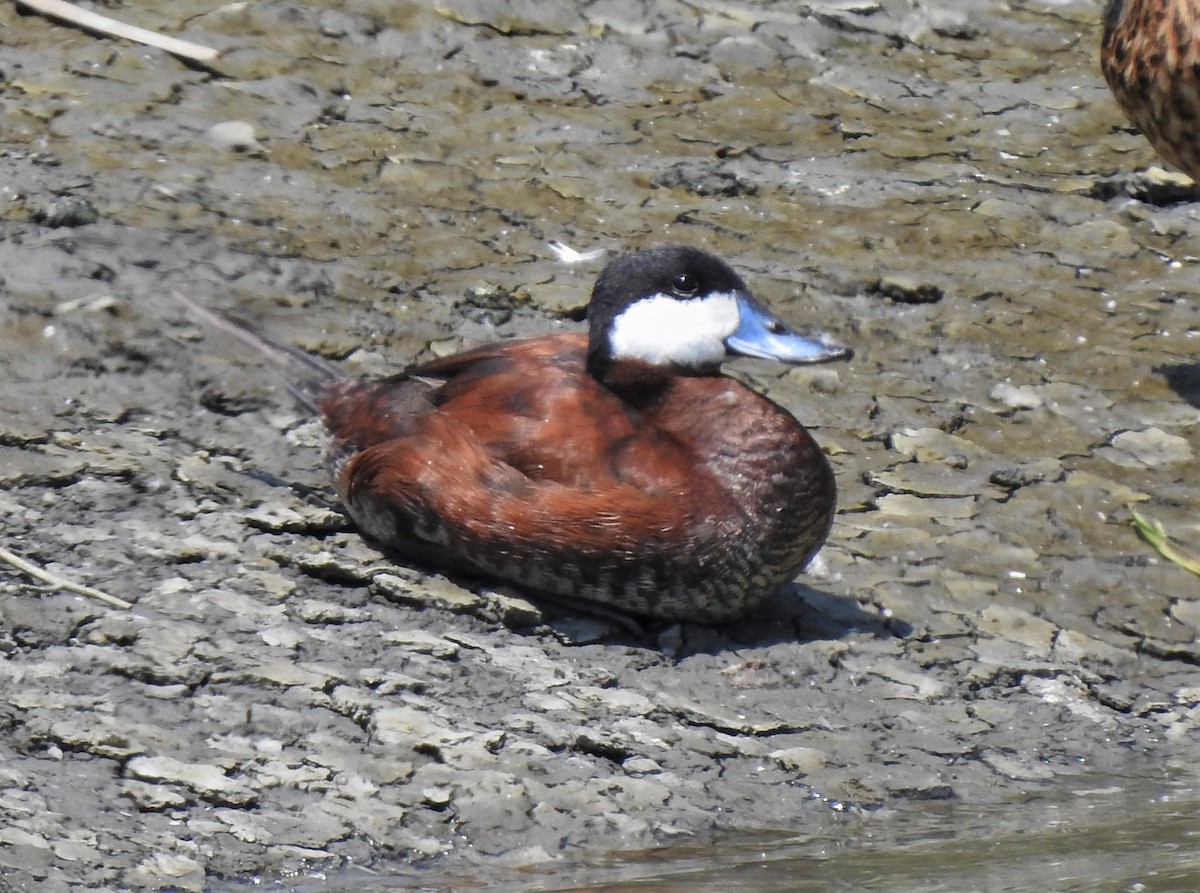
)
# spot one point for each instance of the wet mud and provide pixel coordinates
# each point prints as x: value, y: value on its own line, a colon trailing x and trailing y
x: 946, y: 187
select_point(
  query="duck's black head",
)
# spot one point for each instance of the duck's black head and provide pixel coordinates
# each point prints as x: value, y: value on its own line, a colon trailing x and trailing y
x: 684, y: 309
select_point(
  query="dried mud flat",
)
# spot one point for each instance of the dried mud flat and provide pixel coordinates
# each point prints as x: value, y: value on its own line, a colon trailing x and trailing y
x: 935, y: 185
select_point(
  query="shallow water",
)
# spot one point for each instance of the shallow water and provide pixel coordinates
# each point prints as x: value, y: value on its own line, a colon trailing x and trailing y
x: 958, y: 852
x: 1130, y: 837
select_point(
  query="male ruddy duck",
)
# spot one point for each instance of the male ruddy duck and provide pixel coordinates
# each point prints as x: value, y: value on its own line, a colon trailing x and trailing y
x: 617, y: 467
x: 1150, y: 55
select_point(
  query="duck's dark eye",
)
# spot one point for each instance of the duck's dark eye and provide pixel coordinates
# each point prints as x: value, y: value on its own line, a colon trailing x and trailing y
x: 775, y: 327
x: 685, y: 284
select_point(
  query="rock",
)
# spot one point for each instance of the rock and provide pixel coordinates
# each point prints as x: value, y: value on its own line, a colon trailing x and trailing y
x: 205, y: 780
x: 906, y: 290
x: 1148, y: 448
x: 236, y: 135
x: 801, y: 760
x: 70, y: 211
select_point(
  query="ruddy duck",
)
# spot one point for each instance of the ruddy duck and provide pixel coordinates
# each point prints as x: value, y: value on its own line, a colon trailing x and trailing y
x: 616, y: 467
x: 1149, y: 54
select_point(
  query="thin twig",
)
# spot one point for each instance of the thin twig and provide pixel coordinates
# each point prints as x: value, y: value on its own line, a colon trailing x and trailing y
x: 92, y: 21
x: 58, y: 582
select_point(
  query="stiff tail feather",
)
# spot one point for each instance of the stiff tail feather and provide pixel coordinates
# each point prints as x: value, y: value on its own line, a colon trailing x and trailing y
x: 305, y: 376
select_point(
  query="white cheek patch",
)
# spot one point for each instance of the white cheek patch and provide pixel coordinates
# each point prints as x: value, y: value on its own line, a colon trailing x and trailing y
x: 663, y: 330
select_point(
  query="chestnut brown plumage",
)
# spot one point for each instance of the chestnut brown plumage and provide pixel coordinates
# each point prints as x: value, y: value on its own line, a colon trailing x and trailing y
x: 1150, y: 55
x: 696, y: 503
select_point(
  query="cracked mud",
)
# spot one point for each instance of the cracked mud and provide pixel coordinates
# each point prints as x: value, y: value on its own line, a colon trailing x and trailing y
x: 948, y: 188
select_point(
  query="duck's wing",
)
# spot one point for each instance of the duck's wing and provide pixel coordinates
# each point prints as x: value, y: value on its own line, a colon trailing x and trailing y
x: 439, y: 489
x: 529, y: 405
x: 360, y: 414
x: 504, y: 435
x: 565, y: 348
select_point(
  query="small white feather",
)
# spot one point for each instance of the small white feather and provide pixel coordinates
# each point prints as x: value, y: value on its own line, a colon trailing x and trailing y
x: 568, y: 255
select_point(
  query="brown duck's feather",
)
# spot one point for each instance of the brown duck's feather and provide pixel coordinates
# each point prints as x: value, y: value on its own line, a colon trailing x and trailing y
x: 697, y: 501
x: 1150, y: 56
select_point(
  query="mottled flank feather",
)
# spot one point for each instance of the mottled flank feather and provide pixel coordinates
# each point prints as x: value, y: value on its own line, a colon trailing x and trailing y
x: 1150, y: 55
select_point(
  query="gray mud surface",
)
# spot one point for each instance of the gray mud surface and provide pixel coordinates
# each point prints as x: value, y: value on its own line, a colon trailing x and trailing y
x: 945, y: 186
